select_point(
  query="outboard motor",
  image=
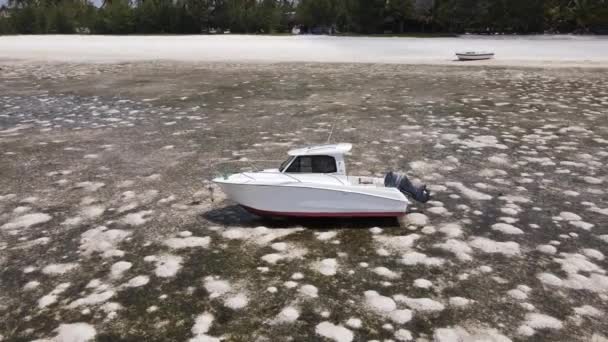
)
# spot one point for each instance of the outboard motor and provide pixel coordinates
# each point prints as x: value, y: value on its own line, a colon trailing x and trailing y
x: 401, y: 182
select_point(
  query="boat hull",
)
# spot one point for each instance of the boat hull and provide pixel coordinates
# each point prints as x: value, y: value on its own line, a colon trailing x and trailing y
x: 477, y: 57
x: 308, y: 201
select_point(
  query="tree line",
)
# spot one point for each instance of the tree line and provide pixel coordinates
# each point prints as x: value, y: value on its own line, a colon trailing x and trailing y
x: 313, y: 16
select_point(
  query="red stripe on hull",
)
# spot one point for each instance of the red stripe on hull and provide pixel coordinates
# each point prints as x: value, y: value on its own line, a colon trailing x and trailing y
x: 309, y: 214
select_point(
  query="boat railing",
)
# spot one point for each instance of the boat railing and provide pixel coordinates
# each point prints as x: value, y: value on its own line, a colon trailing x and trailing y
x: 255, y: 168
x: 290, y: 176
x: 250, y: 162
x: 245, y: 174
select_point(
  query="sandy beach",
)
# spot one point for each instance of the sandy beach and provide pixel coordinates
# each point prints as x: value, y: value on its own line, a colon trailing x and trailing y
x: 539, y: 51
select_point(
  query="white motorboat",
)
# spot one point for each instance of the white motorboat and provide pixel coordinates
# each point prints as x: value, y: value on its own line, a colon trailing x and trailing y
x: 474, y: 55
x: 313, y: 182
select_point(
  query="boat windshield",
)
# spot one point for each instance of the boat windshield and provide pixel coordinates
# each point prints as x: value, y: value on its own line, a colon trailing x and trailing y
x: 286, y: 163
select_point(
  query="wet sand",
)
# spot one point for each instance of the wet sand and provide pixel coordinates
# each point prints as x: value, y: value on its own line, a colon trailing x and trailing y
x: 110, y: 228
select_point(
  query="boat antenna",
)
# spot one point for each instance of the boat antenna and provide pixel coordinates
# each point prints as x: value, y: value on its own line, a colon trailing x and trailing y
x: 331, y: 132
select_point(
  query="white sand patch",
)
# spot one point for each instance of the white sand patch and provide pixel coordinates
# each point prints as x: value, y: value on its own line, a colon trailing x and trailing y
x: 354, y: 323
x: 237, y: 302
x: 185, y: 234
x: 491, y: 173
x: 29, y: 269
x: 442, y: 211
x: 202, y: 324
x: 26, y: 221
x: 119, y: 268
x: 290, y: 284
x: 138, y: 218
x: 451, y: 230
x: 568, y: 216
x: 593, y: 180
x: 272, y: 258
x: 74, y: 332
x: 309, y: 291
x: 72, y: 221
x: 101, y: 240
x: 481, y: 141
x: 168, y: 265
x: 499, y: 159
x: 538, y: 321
x: 288, y: 251
x: 376, y: 230
x: 459, y: 302
x: 437, y: 188
x: 385, y: 272
x: 509, y: 211
x: 327, y: 267
x: 593, y: 254
x: 289, y: 314
x: 378, y: 303
x: 138, y: 281
x: 30, y: 285
x: 420, y: 304
x: 92, y: 212
x: 168, y: 199
x: 21, y: 210
x: 324, y: 236
x: 460, y: 334
x: 582, y: 225
x: 423, y: 283
x: 188, y: 242
x: 36, y: 242
x: 260, y: 236
x: 59, y: 269
x: 574, y: 263
x: 400, y: 243
x: 333, y: 332
x: 549, y: 279
x: 280, y: 246
x: 517, y: 294
x: 51, y: 298
x: 507, y: 229
x: 401, y: 316
x: 459, y: 248
x: 588, y: 310
x: 90, y: 186
x: 95, y: 298
x: 127, y: 207
x: 508, y: 248
x: 216, y: 287
x: 7, y: 197
x: 110, y: 308
x: 547, y: 249
x: 469, y: 193
x: 417, y: 219
x: 416, y: 258
x: 403, y: 335
x: 425, y: 167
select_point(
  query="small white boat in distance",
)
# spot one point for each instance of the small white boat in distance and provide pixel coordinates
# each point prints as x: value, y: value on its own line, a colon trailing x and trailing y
x: 474, y: 55
x: 313, y: 182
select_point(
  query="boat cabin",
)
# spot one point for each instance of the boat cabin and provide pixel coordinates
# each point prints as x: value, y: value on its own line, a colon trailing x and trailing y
x: 324, y: 159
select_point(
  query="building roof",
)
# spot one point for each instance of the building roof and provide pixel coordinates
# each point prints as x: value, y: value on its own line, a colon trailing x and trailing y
x: 331, y: 149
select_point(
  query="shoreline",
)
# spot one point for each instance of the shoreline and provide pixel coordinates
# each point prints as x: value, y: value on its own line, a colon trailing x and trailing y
x: 521, y: 64
x: 511, y: 51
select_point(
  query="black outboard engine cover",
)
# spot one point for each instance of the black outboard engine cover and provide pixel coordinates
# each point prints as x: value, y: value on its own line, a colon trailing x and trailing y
x: 401, y: 182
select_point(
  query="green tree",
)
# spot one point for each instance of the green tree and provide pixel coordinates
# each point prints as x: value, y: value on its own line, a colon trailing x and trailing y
x: 116, y: 17
x: 400, y: 11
